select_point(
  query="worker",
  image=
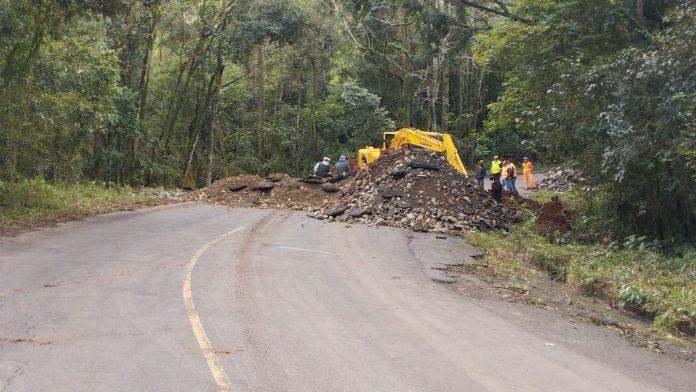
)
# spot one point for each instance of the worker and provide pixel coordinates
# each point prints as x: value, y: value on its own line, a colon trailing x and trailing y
x: 342, y: 168
x: 527, y: 173
x: 481, y: 174
x: 511, y: 170
x: 503, y: 174
x: 496, y: 189
x: 321, y: 169
x: 495, y: 167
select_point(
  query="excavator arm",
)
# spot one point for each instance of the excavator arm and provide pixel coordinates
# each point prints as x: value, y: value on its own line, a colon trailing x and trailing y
x: 440, y: 142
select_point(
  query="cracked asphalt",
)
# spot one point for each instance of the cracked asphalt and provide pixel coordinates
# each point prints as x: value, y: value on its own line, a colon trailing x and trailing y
x: 286, y: 303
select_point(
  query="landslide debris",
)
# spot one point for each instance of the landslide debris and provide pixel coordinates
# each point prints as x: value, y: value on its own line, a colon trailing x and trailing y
x: 418, y: 190
x: 275, y: 191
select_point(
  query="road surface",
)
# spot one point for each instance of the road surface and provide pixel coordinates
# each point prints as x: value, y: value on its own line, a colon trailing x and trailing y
x: 201, y: 298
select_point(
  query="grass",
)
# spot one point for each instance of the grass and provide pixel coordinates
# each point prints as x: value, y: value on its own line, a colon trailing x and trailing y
x: 29, y: 203
x: 573, y: 199
x: 635, y: 279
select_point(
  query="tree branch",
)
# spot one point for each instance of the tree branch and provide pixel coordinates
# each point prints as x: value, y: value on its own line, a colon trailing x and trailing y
x: 337, y: 10
x: 503, y: 11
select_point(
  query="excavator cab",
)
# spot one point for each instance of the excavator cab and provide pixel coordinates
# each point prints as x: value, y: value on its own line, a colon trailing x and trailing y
x: 367, y: 155
x: 440, y: 142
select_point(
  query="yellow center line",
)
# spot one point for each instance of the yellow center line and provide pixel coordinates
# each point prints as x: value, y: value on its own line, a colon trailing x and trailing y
x: 211, y: 358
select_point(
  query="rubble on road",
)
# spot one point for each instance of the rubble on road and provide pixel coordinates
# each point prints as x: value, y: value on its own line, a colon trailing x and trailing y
x: 563, y: 179
x: 274, y: 191
x: 419, y: 190
x: 416, y: 190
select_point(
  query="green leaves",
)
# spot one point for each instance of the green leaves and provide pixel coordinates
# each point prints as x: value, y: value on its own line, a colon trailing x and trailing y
x: 362, y: 117
x: 589, y: 82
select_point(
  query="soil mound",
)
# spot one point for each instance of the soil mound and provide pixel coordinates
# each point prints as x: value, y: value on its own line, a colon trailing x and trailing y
x: 555, y: 218
x: 419, y: 190
x: 274, y: 191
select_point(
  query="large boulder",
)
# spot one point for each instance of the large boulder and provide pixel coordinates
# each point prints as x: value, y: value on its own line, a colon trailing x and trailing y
x: 263, y: 187
x: 335, y: 211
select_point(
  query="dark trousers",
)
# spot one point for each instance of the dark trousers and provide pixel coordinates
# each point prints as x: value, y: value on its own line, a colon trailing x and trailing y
x: 480, y: 183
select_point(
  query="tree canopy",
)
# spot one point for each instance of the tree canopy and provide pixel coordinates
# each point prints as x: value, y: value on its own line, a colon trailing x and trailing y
x: 178, y: 92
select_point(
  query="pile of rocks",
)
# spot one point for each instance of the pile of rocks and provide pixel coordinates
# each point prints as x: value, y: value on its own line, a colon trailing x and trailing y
x: 170, y: 195
x: 563, y: 179
x: 418, y: 190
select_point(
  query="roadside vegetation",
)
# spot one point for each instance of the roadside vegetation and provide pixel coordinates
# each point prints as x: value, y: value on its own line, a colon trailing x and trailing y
x: 28, y: 203
x: 632, y: 275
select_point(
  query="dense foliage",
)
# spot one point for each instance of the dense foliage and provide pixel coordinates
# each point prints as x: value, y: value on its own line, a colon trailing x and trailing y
x: 176, y: 92
x: 609, y: 87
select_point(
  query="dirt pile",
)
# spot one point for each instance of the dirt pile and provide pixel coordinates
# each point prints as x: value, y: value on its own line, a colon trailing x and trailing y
x: 418, y: 190
x: 555, y: 218
x: 275, y: 191
x: 563, y: 179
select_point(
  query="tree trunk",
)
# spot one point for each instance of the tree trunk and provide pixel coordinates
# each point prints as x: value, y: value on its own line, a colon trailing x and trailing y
x: 144, y: 79
x: 406, y: 95
x: 209, y: 161
x: 444, y: 109
x: 257, y: 69
x: 439, y: 56
x: 460, y: 97
x: 479, y: 98
x: 207, y: 111
x: 640, y: 10
x: 469, y: 106
x: 99, y: 143
x: 169, y: 116
x: 433, y: 93
x: 191, y: 65
x: 212, y: 112
x: 194, y: 129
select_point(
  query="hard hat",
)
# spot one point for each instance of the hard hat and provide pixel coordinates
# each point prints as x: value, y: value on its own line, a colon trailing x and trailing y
x: 327, y: 159
x: 525, y: 158
x: 495, y: 157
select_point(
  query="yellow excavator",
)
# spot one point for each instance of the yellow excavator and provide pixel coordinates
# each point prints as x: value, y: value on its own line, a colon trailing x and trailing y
x: 440, y: 142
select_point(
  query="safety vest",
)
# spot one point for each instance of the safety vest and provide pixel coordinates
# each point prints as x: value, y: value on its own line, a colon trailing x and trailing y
x: 495, y: 167
x: 512, y: 171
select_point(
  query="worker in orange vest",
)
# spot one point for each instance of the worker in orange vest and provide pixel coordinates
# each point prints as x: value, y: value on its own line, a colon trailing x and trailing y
x: 527, y: 174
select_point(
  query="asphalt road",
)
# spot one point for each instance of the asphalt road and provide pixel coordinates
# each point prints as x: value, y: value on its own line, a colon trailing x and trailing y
x: 279, y: 301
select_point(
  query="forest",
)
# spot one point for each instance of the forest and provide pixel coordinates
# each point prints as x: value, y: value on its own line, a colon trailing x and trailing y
x: 182, y: 92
